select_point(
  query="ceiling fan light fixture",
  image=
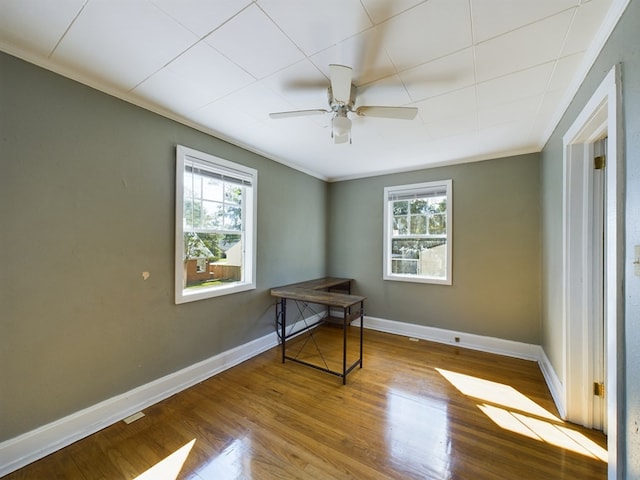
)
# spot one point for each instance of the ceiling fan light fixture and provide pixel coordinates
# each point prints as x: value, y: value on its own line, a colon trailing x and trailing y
x: 341, y: 125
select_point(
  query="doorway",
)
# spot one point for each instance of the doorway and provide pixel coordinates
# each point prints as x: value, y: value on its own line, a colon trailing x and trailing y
x: 592, y: 268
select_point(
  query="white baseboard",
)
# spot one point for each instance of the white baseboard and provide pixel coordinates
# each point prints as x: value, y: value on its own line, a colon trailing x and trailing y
x: 31, y: 446
x: 553, y: 383
x: 17, y: 452
x: 498, y: 346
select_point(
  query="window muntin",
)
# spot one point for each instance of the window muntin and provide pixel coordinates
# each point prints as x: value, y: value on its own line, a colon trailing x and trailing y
x: 417, y: 232
x: 215, y: 226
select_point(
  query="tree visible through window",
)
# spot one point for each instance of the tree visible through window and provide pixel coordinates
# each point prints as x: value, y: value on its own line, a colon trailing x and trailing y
x: 215, y: 226
x: 418, y: 232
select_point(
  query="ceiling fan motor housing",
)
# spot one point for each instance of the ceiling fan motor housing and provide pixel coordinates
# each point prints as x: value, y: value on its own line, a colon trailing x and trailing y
x: 336, y: 105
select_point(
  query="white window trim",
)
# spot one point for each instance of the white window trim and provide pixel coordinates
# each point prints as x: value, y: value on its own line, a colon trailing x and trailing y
x: 249, y: 221
x: 386, y: 267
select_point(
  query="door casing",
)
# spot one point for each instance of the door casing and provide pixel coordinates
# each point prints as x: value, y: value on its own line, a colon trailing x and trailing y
x: 601, y: 116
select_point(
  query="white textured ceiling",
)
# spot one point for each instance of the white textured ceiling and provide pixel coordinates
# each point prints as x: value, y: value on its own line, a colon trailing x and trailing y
x: 489, y: 77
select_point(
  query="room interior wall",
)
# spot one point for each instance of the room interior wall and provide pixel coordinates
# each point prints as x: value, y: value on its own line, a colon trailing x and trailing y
x: 621, y: 47
x: 496, y: 249
x: 86, y: 206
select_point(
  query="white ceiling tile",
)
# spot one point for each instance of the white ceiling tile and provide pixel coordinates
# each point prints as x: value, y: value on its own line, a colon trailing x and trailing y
x: 538, y: 131
x: 496, y: 17
x: 201, y: 16
x: 589, y: 17
x: 550, y: 103
x: 440, y: 76
x: 381, y: 10
x: 314, y: 25
x: 565, y: 70
x: 194, y: 79
x: 301, y: 84
x: 549, y: 111
x: 122, y: 42
x: 454, y: 126
x: 171, y: 91
x: 520, y: 85
x: 254, y: 42
x: 451, y: 148
x: 511, y: 136
x: 363, y: 52
x: 454, y: 104
x: 223, y: 116
x: 523, y: 48
x: 258, y: 101
x: 509, y: 112
x: 386, y: 92
x: 431, y: 30
x: 36, y: 25
x: 383, y: 134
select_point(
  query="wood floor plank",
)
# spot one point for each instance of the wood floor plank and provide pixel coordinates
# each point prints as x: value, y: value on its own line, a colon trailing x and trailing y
x: 417, y: 410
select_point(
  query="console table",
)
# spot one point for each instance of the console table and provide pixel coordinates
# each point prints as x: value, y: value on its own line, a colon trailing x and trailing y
x: 330, y: 292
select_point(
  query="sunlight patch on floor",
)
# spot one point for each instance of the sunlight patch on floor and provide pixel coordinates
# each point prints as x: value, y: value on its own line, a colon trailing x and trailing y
x: 497, y: 393
x: 233, y: 462
x: 168, y: 468
x: 515, y: 412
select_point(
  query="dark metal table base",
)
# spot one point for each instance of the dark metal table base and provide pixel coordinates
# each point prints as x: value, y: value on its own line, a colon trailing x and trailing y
x: 352, y: 308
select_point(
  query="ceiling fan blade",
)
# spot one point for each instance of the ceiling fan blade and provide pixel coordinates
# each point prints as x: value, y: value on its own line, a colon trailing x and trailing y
x: 298, y: 113
x: 405, y: 113
x: 340, y: 82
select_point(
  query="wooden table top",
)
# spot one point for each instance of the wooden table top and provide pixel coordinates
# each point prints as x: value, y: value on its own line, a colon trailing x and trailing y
x: 312, y: 291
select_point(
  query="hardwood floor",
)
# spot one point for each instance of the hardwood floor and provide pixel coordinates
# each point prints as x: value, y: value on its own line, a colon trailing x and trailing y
x: 417, y: 410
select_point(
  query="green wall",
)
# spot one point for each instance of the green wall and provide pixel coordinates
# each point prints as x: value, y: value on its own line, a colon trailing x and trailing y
x: 496, y: 252
x: 87, y: 205
x: 621, y: 47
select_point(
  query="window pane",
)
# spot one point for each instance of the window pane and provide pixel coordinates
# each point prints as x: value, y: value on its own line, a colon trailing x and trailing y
x: 438, y: 224
x: 192, y: 185
x: 213, y: 189
x: 418, y: 206
x: 433, y: 261
x: 232, y: 217
x: 213, y: 215
x: 400, y: 226
x: 192, y: 213
x: 405, y: 248
x: 188, y: 184
x: 404, y: 266
x: 212, y: 259
x: 418, y: 224
x: 232, y: 193
x: 438, y: 204
x: 400, y: 208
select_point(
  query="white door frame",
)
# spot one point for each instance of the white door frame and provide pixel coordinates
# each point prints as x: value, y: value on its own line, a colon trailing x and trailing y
x: 601, y: 115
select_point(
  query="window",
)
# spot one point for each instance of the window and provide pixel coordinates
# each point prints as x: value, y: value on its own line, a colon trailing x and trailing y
x: 417, y: 232
x: 215, y: 226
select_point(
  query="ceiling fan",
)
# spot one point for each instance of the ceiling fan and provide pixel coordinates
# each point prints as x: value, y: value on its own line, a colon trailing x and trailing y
x: 342, y: 98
